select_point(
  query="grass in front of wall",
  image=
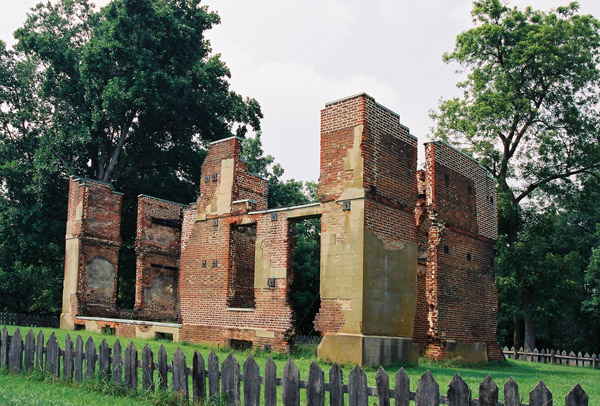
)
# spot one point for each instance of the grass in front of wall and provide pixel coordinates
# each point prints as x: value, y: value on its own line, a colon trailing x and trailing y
x: 560, y: 379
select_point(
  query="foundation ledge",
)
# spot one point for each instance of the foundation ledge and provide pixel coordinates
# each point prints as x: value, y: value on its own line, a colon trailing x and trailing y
x: 126, y: 321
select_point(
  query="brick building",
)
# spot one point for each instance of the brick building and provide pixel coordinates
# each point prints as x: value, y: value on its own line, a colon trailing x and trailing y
x: 406, y: 255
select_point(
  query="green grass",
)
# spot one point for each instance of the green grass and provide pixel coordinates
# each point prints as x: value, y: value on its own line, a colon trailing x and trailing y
x: 558, y: 378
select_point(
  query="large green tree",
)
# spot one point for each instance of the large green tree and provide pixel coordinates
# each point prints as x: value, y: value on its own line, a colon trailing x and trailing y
x: 529, y: 109
x: 129, y: 94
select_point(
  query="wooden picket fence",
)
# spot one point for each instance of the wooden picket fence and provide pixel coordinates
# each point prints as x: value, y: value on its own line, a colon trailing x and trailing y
x: 225, y: 381
x: 29, y: 320
x: 553, y: 357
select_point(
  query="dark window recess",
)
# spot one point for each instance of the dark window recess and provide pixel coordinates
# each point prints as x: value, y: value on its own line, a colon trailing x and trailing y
x: 214, y: 263
x: 347, y: 205
x: 491, y: 199
x: 373, y: 189
x: 470, y: 189
x: 468, y: 256
x: 273, y: 216
x: 215, y: 177
x: 166, y: 222
x: 169, y: 267
x: 446, y: 249
x: 215, y: 222
x: 267, y: 347
x: 79, y: 327
x: 163, y: 336
x: 446, y: 178
x: 111, y: 331
x: 204, y: 264
x: 271, y: 282
x: 239, y: 344
x: 207, y: 178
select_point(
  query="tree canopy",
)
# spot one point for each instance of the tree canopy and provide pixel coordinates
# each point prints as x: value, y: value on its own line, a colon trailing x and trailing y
x: 529, y: 112
x: 129, y: 94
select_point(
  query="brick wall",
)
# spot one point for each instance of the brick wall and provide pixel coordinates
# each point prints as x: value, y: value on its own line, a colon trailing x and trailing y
x: 462, y: 229
x: 219, y: 299
x: 93, y: 227
x: 158, y: 247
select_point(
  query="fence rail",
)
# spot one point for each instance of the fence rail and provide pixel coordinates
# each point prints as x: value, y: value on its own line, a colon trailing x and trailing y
x: 29, y: 320
x: 87, y: 362
x: 546, y: 356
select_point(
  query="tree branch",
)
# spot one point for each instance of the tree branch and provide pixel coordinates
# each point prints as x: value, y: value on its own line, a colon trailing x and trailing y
x: 563, y: 175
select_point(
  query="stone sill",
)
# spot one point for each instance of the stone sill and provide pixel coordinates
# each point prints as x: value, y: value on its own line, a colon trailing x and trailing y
x: 239, y: 309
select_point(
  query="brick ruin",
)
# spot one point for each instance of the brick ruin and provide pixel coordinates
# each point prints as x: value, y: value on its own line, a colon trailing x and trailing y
x: 407, y: 255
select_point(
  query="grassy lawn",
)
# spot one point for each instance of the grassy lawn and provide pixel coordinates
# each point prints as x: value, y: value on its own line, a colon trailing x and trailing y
x: 33, y: 391
x: 558, y: 378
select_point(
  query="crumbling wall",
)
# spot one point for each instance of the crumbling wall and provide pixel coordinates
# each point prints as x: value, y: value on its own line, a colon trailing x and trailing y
x: 231, y: 242
x: 460, y: 290
x: 92, y: 250
x: 158, y: 247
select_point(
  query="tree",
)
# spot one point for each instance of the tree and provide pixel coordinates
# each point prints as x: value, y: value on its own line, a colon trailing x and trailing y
x: 131, y: 95
x: 529, y: 110
x: 135, y: 84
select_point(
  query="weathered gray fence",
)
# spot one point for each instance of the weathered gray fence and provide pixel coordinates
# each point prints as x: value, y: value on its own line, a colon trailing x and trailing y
x: 79, y: 362
x: 29, y: 320
x: 553, y: 357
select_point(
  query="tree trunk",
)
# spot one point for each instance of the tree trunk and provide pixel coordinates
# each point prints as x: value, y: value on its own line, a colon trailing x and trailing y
x: 528, y: 321
x: 516, y: 332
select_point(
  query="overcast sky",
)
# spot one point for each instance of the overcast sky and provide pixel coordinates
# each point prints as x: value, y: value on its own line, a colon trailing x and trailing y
x: 294, y: 56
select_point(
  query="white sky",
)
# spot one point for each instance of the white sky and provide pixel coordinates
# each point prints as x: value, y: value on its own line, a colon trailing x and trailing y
x: 294, y: 56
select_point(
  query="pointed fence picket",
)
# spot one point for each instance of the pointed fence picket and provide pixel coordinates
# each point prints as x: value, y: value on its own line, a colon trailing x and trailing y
x: 227, y: 382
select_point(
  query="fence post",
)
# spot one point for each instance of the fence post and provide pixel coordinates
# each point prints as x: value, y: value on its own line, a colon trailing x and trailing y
x: 358, y: 394
x: 104, y: 361
x: 382, y: 381
x: 78, y: 359
x: 4, y: 349
x: 199, y: 378
x: 251, y: 382
x: 428, y: 391
x: 577, y: 397
x: 29, y: 350
x: 540, y: 395
x: 90, y: 359
x: 511, y: 393
x: 270, y: 383
x: 53, y: 356
x: 291, y: 384
x: 68, y: 359
x: 213, y: 375
x: 39, y: 351
x: 336, y: 386
x: 488, y: 392
x: 315, y: 390
x: 163, y: 382
x: 402, y: 389
x: 459, y: 393
x: 230, y: 380
x: 180, y: 375
x: 15, y: 355
x: 131, y: 367
x: 117, y: 361
x: 147, y: 368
